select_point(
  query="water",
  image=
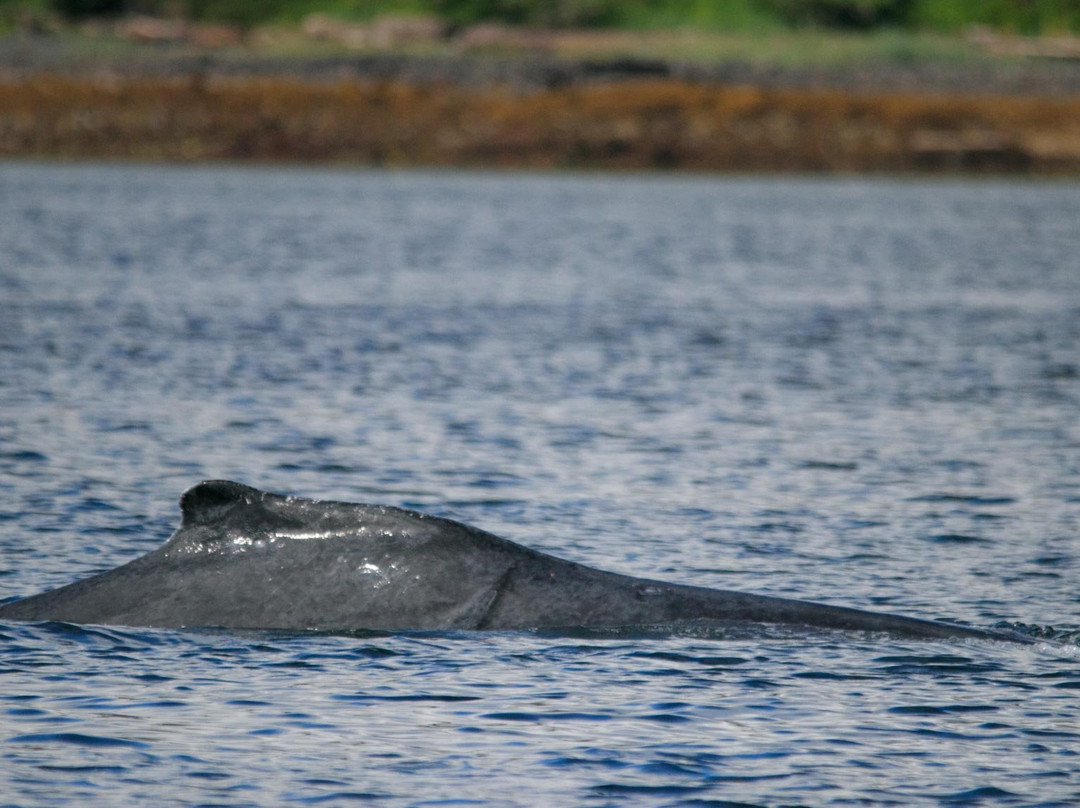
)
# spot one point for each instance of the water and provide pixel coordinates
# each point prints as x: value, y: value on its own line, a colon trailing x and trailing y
x: 859, y: 392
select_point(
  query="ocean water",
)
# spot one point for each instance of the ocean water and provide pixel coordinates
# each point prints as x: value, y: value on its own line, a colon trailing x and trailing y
x: 862, y: 392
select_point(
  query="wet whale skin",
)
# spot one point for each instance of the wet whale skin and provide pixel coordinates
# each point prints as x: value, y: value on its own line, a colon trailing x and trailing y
x: 245, y: 558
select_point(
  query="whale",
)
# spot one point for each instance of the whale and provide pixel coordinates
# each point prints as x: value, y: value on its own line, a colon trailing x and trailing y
x: 243, y: 558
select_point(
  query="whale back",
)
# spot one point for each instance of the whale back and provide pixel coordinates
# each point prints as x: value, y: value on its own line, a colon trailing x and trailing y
x: 245, y: 558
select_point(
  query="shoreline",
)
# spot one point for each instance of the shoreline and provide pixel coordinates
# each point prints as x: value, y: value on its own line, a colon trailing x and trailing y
x: 23, y: 58
x: 538, y: 112
x: 633, y: 124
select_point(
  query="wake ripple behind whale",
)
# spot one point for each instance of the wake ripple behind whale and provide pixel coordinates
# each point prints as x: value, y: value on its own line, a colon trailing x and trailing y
x: 245, y: 558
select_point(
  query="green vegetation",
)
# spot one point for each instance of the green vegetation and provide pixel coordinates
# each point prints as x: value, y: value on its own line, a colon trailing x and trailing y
x: 733, y: 16
x: 250, y: 12
x: 1013, y: 16
x: 788, y: 48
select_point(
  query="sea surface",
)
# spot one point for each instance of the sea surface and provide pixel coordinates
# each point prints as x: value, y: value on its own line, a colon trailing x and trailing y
x: 861, y: 392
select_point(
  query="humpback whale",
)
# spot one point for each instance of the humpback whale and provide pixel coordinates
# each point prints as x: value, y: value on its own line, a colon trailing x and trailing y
x: 249, y: 559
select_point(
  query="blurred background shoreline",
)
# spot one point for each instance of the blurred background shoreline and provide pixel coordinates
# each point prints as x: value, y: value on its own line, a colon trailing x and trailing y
x: 753, y: 85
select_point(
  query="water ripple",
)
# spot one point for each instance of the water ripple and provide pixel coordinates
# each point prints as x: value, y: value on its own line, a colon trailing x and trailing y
x: 856, y: 391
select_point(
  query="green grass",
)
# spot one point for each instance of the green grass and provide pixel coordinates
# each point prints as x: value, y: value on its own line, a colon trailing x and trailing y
x: 794, y: 49
x: 704, y: 31
x: 786, y: 48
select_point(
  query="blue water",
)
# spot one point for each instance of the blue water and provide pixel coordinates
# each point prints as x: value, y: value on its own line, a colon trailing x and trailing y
x: 865, y: 392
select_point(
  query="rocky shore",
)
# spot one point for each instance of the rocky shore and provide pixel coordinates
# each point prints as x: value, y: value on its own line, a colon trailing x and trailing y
x: 539, y: 112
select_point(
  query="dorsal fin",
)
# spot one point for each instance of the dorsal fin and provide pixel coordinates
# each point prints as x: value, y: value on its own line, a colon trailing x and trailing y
x: 209, y: 501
